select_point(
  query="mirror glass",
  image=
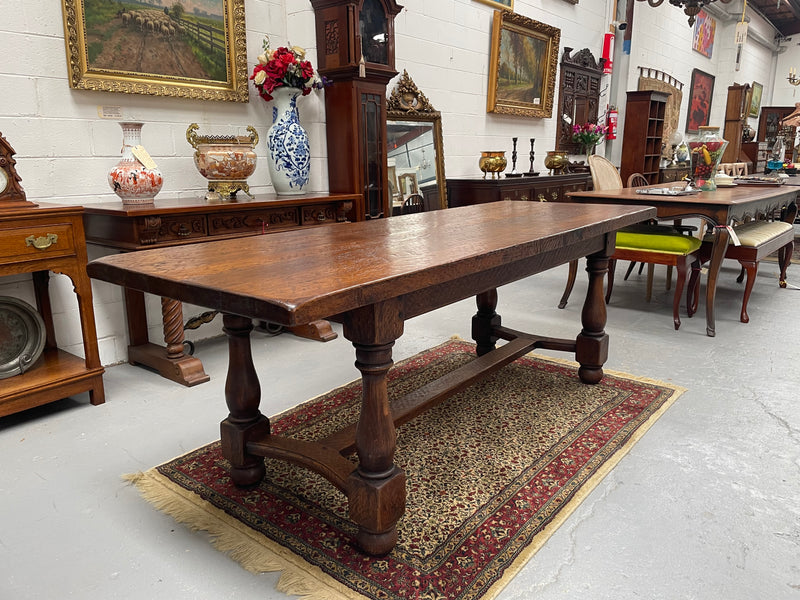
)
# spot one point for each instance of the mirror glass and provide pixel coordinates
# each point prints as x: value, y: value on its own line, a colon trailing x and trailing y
x: 414, y: 148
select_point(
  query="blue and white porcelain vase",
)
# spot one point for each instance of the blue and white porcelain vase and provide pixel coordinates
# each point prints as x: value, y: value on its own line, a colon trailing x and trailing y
x: 288, y: 152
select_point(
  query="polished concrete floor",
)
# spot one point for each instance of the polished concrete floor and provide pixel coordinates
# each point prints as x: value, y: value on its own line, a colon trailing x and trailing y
x: 706, y: 506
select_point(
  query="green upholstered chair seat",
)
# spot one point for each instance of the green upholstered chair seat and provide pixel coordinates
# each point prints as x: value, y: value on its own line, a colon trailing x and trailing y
x: 754, y: 233
x: 667, y: 243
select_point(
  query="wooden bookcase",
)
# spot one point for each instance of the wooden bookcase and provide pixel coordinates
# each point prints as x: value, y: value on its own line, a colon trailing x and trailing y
x: 643, y: 130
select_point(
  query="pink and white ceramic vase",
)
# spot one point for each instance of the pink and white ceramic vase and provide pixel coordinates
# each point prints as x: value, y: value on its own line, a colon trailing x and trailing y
x: 130, y: 179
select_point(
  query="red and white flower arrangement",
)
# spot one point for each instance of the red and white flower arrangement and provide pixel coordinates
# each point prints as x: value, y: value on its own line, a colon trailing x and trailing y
x: 285, y: 67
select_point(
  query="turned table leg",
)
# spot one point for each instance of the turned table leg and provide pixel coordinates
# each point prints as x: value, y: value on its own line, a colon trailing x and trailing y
x: 591, y: 348
x: 242, y: 394
x: 485, y: 321
x: 376, y: 490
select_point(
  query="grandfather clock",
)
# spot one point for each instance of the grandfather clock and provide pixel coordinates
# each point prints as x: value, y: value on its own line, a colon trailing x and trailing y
x: 355, y: 50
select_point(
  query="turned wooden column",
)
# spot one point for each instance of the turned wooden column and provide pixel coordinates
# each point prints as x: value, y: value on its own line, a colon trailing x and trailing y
x: 242, y: 395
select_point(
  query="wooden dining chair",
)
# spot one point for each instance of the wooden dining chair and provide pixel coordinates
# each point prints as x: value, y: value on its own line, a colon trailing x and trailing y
x: 413, y: 204
x: 644, y: 243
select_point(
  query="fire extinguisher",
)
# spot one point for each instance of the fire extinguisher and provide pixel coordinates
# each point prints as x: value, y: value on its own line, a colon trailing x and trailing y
x: 611, y: 118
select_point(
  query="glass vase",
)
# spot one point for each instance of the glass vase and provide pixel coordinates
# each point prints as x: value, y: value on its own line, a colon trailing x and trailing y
x: 705, y: 152
x: 132, y: 181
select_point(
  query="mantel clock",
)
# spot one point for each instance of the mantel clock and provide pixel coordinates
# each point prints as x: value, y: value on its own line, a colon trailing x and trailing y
x: 355, y: 49
x: 11, y: 193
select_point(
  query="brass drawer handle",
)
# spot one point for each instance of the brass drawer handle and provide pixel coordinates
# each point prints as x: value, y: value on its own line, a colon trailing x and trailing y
x: 541, y: 198
x: 524, y: 198
x: 41, y: 242
x: 321, y: 217
x: 554, y: 195
x: 507, y: 198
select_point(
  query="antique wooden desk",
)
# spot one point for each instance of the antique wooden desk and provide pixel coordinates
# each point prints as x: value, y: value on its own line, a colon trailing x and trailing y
x: 189, y: 221
x: 369, y: 277
x: 721, y: 207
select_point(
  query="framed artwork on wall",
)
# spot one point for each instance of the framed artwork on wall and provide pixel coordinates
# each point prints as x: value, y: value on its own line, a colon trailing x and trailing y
x: 755, y: 99
x: 700, y: 95
x: 501, y: 4
x: 705, y: 27
x: 522, y: 66
x: 151, y: 50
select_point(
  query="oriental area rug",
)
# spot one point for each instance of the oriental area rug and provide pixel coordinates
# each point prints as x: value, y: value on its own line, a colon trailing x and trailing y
x: 492, y: 472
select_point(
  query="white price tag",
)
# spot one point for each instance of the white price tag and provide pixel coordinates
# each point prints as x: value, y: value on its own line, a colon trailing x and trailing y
x: 143, y: 157
x: 734, y: 237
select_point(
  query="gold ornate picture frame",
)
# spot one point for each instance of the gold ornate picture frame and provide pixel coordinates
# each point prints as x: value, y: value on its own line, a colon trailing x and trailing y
x: 137, y: 49
x: 522, y: 66
x: 501, y: 4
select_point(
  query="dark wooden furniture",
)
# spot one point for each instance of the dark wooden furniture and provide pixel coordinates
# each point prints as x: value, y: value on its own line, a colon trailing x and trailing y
x: 757, y: 153
x: 642, y: 134
x: 737, y: 108
x: 578, y: 96
x: 355, y: 50
x: 360, y: 275
x: 673, y: 173
x: 38, y: 240
x: 721, y: 207
x: 189, y: 221
x: 544, y: 188
x: 769, y: 122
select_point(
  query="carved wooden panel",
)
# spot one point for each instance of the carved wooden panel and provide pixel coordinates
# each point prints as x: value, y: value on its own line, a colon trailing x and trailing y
x: 579, y: 96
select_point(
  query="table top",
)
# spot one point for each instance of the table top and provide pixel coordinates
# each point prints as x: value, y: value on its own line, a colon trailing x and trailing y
x: 720, y: 206
x: 296, y: 277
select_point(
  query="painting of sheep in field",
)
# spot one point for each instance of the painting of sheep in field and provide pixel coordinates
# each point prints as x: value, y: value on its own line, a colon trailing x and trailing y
x: 142, y: 43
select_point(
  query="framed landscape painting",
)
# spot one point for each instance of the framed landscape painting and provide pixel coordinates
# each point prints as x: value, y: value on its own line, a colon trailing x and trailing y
x: 755, y: 99
x: 699, y: 100
x: 522, y: 66
x: 157, y: 48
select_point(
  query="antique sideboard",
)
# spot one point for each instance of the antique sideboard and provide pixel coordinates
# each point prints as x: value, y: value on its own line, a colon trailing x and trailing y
x: 177, y: 222
x: 541, y: 188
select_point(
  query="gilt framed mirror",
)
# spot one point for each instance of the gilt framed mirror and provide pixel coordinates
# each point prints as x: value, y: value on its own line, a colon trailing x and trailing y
x: 415, y: 151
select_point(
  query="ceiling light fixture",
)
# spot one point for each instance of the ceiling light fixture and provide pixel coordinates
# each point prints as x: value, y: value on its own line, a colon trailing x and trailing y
x: 690, y: 7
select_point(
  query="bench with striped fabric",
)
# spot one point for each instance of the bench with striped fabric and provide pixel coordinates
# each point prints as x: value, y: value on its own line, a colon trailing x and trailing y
x: 757, y: 239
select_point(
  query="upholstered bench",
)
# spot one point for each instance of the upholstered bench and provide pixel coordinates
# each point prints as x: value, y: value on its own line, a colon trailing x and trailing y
x: 757, y: 239
x: 661, y: 246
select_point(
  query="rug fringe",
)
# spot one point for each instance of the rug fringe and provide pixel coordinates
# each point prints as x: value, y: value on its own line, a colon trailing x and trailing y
x: 253, y: 551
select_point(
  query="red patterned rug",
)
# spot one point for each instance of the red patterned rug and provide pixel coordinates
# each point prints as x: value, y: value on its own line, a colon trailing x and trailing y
x: 492, y: 472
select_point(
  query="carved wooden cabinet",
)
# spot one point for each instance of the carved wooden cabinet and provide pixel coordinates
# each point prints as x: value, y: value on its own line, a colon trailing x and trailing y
x: 548, y: 188
x: 189, y: 221
x: 579, y: 95
x: 643, y: 131
x: 41, y: 240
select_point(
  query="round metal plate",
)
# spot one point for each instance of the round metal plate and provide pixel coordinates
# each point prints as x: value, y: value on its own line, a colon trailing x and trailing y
x: 22, y: 336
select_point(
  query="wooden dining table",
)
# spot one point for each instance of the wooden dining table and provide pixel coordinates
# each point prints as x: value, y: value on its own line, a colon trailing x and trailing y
x: 720, y: 208
x: 371, y: 277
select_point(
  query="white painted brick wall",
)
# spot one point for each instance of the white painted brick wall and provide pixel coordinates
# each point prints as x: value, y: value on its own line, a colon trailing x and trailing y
x: 64, y: 150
